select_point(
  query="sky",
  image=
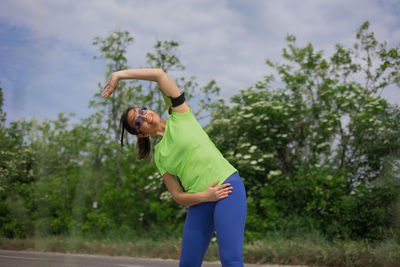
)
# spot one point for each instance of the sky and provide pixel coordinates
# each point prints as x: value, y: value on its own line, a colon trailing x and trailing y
x: 46, y: 51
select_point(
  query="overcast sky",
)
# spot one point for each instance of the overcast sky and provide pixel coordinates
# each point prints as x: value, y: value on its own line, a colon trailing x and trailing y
x: 46, y: 50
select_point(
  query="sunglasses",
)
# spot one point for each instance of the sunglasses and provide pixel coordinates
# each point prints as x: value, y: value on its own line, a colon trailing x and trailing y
x: 139, y: 120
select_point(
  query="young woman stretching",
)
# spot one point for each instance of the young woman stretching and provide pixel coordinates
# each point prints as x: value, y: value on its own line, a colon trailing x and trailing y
x: 212, y: 186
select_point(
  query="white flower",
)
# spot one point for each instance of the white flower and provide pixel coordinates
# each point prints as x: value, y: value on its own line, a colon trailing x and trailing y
x: 274, y: 173
x: 268, y: 155
x: 230, y: 153
x: 247, y: 116
x: 166, y: 196
x: 258, y: 168
x: 245, y: 144
x: 323, y: 144
x: 277, y: 107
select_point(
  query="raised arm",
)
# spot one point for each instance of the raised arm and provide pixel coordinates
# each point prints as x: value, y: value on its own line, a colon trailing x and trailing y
x: 211, y: 193
x: 166, y: 84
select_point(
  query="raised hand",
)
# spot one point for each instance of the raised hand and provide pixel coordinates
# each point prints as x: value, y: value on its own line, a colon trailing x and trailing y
x: 110, y: 85
x: 213, y: 193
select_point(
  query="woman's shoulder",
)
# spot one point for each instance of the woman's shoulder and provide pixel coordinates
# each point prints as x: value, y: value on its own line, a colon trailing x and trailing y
x: 182, y: 115
x: 183, y: 108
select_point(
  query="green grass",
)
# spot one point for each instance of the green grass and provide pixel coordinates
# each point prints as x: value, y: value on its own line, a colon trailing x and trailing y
x: 309, y: 252
x: 306, y: 250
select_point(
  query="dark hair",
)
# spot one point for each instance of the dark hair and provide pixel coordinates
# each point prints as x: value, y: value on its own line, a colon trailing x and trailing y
x: 142, y: 144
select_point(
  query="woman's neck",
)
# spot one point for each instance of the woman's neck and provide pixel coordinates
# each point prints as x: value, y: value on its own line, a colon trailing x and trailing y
x: 161, y: 129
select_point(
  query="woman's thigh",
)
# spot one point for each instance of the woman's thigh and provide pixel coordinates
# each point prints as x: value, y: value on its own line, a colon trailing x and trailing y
x: 197, y: 233
x: 229, y: 219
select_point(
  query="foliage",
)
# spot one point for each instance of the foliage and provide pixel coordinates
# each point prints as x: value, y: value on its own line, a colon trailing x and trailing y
x: 319, y: 153
x: 2, y: 113
x: 310, y: 151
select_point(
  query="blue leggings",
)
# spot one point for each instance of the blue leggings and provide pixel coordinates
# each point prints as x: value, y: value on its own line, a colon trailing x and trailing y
x: 227, y: 216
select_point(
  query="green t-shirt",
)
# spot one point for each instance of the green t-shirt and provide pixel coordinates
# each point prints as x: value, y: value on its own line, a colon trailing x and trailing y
x: 187, y: 152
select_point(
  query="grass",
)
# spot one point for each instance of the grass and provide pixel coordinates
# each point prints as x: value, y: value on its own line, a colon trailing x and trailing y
x: 337, y: 253
x: 309, y: 250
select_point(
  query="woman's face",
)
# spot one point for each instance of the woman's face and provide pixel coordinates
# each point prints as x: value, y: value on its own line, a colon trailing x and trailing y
x: 149, y: 123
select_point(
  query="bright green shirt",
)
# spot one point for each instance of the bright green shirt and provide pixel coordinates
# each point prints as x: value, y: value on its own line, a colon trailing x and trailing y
x: 186, y: 151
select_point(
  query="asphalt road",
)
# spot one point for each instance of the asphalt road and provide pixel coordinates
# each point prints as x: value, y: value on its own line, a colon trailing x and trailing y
x: 10, y: 258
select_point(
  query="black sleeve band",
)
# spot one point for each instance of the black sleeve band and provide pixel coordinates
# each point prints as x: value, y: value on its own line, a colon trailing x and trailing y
x: 178, y: 100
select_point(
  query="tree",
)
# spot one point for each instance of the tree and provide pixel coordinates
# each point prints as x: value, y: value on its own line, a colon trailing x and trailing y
x: 2, y: 113
x: 303, y: 147
x: 113, y: 48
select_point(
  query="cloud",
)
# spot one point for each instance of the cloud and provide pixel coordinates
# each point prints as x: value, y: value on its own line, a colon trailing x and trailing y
x: 223, y: 40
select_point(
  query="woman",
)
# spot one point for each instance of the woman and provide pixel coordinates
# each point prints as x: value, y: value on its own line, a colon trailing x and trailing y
x: 213, y: 189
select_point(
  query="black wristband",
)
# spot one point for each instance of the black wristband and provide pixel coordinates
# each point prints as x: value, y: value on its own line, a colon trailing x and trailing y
x: 178, y: 100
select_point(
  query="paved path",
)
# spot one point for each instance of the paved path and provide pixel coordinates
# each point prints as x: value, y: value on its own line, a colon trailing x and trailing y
x: 10, y: 258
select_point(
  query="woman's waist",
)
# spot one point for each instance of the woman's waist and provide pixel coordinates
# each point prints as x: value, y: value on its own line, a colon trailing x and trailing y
x: 201, y: 181
x: 233, y: 177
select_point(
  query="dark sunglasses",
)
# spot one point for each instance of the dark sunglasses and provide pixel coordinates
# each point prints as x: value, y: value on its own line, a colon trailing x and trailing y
x: 139, y: 120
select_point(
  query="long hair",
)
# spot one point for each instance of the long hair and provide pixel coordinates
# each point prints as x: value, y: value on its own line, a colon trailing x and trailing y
x: 142, y: 144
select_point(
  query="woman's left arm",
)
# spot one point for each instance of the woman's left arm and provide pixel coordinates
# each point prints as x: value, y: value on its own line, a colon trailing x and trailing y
x: 212, y: 193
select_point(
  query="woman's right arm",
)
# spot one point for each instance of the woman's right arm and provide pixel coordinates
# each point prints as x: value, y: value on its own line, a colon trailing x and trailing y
x: 166, y: 84
x: 211, y: 193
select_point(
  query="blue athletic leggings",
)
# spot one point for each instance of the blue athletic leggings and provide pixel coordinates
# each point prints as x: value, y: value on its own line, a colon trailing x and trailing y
x: 227, y: 216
